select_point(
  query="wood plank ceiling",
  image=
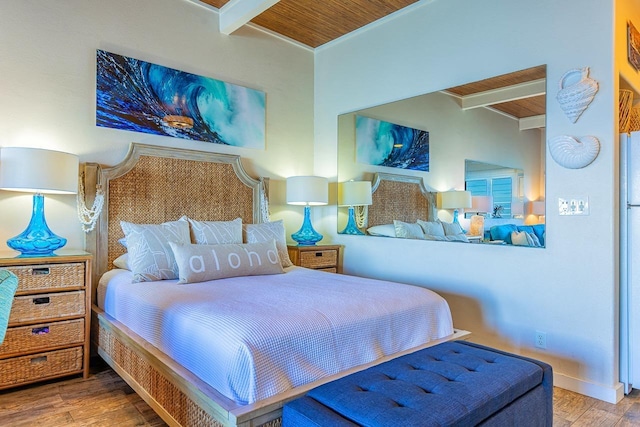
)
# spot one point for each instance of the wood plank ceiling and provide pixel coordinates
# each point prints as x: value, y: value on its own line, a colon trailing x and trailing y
x: 316, y: 22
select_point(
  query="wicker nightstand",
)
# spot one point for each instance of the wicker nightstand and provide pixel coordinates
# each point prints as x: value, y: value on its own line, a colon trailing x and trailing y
x: 48, y: 333
x: 320, y: 257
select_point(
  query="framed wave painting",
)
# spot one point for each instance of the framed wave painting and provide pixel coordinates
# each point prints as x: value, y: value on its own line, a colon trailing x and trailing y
x: 382, y: 143
x: 143, y: 97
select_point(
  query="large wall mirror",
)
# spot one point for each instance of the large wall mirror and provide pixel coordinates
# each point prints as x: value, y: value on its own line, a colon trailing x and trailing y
x: 482, y: 142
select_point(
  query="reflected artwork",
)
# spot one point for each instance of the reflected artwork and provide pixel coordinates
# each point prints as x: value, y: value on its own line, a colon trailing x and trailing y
x: 143, y: 97
x: 386, y: 144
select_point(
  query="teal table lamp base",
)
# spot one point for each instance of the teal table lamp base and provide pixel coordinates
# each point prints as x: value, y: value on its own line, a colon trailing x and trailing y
x: 306, y: 236
x: 352, y: 227
x: 37, y: 239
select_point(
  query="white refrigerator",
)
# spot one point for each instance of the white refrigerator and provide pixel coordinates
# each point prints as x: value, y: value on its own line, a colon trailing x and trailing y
x: 630, y: 260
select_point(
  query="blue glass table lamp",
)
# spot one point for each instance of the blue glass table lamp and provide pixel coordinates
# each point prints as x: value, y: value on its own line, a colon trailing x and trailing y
x: 455, y: 200
x: 354, y: 194
x: 37, y: 171
x: 307, y: 191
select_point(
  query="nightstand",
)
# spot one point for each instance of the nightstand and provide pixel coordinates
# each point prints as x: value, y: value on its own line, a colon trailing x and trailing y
x: 319, y: 257
x: 48, y: 332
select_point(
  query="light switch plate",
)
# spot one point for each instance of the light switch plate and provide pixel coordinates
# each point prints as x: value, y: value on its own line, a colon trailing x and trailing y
x: 578, y: 205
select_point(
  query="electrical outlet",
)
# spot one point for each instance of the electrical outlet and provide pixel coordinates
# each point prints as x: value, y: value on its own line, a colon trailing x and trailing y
x: 578, y: 205
x: 541, y: 339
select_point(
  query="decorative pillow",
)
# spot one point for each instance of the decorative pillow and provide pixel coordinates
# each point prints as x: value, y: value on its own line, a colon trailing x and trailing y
x: 457, y: 238
x: 385, y: 230
x: 432, y: 228
x: 502, y: 232
x: 407, y: 230
x: 215, y: 232
x: 150, y: 256
x: 451, y: 228
x: 523, y: 238
x: 267, y: 231
x: 199, y: 263
x: 122, y: 262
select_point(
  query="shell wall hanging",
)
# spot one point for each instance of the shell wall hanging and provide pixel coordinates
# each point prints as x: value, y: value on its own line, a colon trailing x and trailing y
x: 573, y: 153
x: 577, y: 90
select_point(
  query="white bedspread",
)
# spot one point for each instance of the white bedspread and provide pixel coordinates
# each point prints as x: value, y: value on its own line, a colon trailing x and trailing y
x: 253, y: 337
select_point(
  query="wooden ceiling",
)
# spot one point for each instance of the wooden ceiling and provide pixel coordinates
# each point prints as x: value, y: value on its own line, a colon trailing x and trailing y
x: 316, y: 22
x: 521, y: 95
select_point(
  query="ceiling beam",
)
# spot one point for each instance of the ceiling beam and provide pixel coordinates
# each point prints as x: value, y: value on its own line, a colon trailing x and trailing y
x: 504, y: 94
x: 533, y: 122
x: 236, y: 13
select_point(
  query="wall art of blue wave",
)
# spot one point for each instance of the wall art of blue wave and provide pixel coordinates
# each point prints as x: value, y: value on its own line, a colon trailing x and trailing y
x: 386, y: 144
x: 139, y: 96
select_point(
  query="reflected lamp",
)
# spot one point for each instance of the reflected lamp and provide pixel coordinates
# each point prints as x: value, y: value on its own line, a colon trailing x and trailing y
x: 479, y: 205
x: 38, y: 171
x: 537, y: 208
x: 307, y: 191
x: 352, y: 194
x: 455, y: 200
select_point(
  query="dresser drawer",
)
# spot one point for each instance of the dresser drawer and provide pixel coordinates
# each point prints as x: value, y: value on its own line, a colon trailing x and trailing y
x: 37, y: 308
x: 25, y: 339
x: 24, y: 369
x: 319, y: 258
x: 48, y: 277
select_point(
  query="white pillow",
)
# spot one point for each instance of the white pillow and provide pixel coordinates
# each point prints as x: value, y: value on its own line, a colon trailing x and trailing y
x: 407, y: 230
x: 267, y: 231
x: 385, y: 230
x: 451, y: 228
x: 122, y: 262
x: 215, y: 232
x: 150, y: 256
x: 519, y: 238
x: 432, y: 228
x: 199, y: 263
x: 457, y: 238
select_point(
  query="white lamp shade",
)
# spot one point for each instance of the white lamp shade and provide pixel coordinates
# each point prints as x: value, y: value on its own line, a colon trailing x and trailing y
x: 455, y: 199
x: 517, y: 208
x: 482, y: 204
x: 38, y: 171
x: 354, y: 193
x: 537, y: 207
x: 307, y: 190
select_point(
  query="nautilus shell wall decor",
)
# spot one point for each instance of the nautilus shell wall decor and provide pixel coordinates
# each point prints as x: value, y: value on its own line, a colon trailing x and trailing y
x: 577, y: 90
x: 573, y: 153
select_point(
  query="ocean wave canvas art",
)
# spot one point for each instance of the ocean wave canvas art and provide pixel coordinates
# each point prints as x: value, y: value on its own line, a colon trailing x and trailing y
x: 143, y: 97
x: 386, y: 144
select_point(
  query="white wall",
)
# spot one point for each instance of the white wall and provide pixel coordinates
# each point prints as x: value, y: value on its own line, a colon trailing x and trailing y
x: 502, y: 294
x: 48, y: 74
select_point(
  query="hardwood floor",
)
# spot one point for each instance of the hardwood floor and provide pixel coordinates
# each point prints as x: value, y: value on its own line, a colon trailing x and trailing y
x: 106, y: 400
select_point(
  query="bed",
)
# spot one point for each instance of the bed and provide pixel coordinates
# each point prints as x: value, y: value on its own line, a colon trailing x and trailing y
x: 211, y: 187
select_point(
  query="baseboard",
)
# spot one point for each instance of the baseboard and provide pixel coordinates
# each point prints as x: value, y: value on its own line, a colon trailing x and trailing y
x: 597, y: 391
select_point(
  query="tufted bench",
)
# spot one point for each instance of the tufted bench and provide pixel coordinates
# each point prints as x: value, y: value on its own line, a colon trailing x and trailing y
x: 451, y: 384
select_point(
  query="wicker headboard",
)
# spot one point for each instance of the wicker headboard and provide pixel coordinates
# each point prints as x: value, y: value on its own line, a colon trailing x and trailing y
x: 157, y: 184
x: 400, y: 197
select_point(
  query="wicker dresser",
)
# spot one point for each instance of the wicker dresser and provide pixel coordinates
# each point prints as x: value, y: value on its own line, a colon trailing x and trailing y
x: 320, y: 257
x: 48, y: 333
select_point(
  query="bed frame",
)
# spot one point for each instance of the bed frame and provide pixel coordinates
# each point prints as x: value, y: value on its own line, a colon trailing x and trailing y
x: 153, y: 185
x: 400, y: 197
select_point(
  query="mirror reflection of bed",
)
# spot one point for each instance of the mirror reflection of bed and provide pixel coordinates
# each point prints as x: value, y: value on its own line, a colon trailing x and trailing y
x: 496, y: 121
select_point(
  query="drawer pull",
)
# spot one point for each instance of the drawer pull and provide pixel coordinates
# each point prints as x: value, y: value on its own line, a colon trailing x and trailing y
x: 42, y: 300
x: 42, y: 271
x: 318, y: 253
x: 40, y: 359
x: 40, y: 331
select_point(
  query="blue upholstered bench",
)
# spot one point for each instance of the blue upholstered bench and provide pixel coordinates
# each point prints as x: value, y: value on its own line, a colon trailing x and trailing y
x: 451, y: 384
